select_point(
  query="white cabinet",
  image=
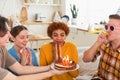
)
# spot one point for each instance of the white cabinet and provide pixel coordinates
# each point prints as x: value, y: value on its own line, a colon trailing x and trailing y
x: 45, y: 8
x: 43, y: 2
x: 35, y: 4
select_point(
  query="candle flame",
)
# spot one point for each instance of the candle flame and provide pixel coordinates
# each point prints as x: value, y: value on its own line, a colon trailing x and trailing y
x: 66, y: 60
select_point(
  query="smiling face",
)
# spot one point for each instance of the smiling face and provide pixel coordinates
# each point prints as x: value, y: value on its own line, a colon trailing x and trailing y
x: 21, y: 39
x: 58, y: 36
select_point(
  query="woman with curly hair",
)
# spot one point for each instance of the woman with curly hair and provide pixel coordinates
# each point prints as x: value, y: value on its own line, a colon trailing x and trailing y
x: 58, y: 31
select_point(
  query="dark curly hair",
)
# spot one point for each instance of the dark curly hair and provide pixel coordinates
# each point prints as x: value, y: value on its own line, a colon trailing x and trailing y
x: 57, y: 25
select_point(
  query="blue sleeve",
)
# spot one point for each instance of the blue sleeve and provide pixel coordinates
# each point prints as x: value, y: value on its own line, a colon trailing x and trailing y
x: 34, y: 58
x: 13, y: 53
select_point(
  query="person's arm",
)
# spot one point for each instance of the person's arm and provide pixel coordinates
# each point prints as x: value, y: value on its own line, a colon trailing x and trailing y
x: 91, y: 52
x: 40, y: 72
x: 38, y: 76
x: 18, y: 68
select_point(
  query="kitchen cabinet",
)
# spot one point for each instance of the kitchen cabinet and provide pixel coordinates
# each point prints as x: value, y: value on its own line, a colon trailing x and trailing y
x: 43, y: 2
x: 35, y: 23
x: 44, y: 8
x: 35, y: 4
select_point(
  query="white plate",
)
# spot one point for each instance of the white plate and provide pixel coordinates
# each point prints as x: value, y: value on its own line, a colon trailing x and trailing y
x: 77, y: 67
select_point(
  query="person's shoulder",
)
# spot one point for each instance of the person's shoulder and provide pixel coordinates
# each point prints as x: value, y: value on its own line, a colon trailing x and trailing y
x: 46, y: 45
x: 70, y: 43
x: 2, y: 49
x: 11, y: 50
x: 32, y: 50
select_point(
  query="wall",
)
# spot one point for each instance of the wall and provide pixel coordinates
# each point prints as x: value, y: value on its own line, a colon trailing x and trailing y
x: 80, y: 38
x: 8, y: 9
x: 93, y: 11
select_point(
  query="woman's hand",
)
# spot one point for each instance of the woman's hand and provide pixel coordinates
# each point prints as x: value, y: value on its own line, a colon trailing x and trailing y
x: 26, y: 57
x: 58, y: 52
x: 29, y: 57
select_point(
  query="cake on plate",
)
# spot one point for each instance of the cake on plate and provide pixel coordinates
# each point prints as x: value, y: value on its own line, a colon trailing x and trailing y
x: 65, y: 65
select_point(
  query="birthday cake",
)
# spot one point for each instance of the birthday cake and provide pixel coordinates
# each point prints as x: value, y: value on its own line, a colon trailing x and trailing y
x: 65, y: 65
